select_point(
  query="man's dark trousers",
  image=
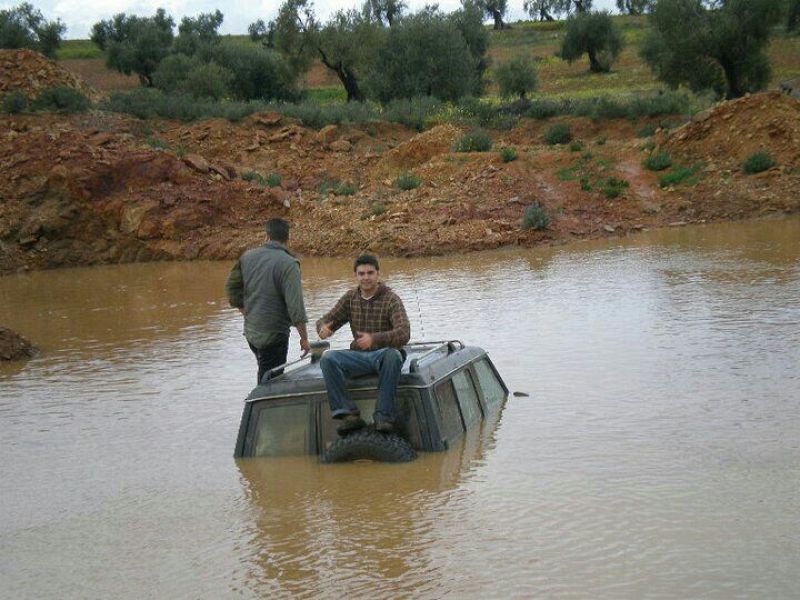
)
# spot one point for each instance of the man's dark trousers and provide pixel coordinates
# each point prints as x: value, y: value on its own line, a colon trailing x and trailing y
x: 271, y: 356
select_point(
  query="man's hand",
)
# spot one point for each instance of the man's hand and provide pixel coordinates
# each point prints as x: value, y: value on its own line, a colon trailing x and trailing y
x: 305, y: 346
x: 325, y: 331
x: 363, y: 340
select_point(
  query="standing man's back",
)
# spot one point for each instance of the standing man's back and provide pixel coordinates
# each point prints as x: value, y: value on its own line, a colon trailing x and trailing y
x: 265, y: 286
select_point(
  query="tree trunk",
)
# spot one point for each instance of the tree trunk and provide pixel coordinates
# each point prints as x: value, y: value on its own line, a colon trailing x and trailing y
x: 346, y: 77
x: 732, y: 78
x: 579, y: 6
x: 594, y: 65
x: 498, y: 20
x: 544, y: 15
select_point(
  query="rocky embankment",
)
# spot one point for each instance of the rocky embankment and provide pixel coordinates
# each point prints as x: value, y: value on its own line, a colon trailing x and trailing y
x: 102, y: 188
x: 14, y: 347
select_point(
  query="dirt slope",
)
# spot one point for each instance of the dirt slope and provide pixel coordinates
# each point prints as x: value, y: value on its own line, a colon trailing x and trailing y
x: 30, y: 72
x: 101, y: 188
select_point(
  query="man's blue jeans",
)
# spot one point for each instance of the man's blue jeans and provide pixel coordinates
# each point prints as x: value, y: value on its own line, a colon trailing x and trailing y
x: 338, y: 365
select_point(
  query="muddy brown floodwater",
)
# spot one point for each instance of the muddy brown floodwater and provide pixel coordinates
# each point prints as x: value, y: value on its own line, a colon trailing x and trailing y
x: 656, y: 456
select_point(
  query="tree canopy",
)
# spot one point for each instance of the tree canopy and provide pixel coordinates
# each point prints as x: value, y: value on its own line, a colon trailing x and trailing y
x: 594, y: 34
x: 135, y: 44
x: 25, y: 27
x: 717, y: 45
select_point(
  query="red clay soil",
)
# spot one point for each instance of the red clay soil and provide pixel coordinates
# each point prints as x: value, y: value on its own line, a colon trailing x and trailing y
x: 30, y: 72
x: 13, y: 346
x: 101, y: 188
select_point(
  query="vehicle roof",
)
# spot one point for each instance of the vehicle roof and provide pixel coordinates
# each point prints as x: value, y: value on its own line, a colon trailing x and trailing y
x: 425, y: 364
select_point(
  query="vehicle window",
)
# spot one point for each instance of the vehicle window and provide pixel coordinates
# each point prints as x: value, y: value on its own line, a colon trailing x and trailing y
x: 493, y: 391
x: 452, y: 425
x: 282, y: 430
x: 467, y: 397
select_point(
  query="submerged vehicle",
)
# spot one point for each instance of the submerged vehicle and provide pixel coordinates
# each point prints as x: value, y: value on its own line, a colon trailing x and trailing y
x: 445, y: 388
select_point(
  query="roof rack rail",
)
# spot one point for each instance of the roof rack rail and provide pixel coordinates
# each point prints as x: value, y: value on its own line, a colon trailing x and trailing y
x: 317, y: 348
x: 450, y: 345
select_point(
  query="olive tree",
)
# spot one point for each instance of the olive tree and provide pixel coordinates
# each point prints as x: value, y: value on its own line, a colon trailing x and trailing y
x: 495, y: 9
x: 633, y: 7
x: 197, y: 35
x: 793, y: 15
x: 718, y: 45
x: 135, y: 44
x: 384, y: 11
x: 347, y: 44
x: 593, y: 34
x: 516, y: 77
x: 425, y: 54
x: 25, y: 27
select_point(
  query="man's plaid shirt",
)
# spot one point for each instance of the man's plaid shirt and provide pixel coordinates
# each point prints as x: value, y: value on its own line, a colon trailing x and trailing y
x: 383, y: 316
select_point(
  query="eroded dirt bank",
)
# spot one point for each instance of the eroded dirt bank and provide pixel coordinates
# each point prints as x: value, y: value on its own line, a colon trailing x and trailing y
x: 13, y: 346
x: 101, y: 188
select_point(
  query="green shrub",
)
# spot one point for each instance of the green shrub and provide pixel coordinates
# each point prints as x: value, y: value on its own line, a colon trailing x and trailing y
x: 60, y: 99
x: 535, y: 217
x: 254, y: 176
x: 412, y: 112
x: 273, y: 180
x: 345, y: 189
x: 407, y: 181
x: 377, y: 209
x: 508, y: 154
x: 613, y: 187
x: 601, y: 140
x: 678, y: 175
x: 559, y: 133
x: 476, y: 140
x: 657, y: 162
x: 586, y: 185
x: 516, y: 77
x: 544, y: 109
x: 646, y: 130
x: 14, y: 102
x: 575, y: 146
x: 156, y: 143
x: 760, y: 161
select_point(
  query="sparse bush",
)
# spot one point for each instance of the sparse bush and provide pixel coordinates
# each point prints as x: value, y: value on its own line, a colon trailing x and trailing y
x: 516, y: 77
x: 377, y: 209
x: 476, y: 140
x: 345, y: 189
x: 273, y: 180
x: 412, y: 112
x: 254, y: 176
x: 14, y: 102
x: 613, y: 187
x: 760, y: 161
x: 678, y: 175
x: 156, y: 143
x: 559, y: 133
x: 407, y: 181
x: 544, y: 109
x: 658, y: 162
x: 60, y: 99
x: 535, y: 217
x: 508, y: 154
x: 575, y: 146
x: 646, y: 130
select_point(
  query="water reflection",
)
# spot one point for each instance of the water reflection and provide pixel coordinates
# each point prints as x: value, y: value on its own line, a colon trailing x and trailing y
x: 656, y: 456
x: 363, y: 528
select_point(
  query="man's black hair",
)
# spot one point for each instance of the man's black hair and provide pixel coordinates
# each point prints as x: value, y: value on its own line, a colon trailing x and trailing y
x: 278, y: 230
x: 366, y: 259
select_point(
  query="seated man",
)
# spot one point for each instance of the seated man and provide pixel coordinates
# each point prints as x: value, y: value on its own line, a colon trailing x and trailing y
x: 380, y: 329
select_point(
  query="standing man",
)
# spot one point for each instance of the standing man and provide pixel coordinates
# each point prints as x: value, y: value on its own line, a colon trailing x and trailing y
x: 264, y: 285
x: 380, y: 329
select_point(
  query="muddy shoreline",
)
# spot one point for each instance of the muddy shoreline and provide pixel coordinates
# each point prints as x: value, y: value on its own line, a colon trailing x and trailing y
x: 100, y: 188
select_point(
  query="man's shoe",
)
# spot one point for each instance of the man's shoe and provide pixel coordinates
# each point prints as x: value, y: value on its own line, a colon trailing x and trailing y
x: 383, y: 426
x: 350, y: 424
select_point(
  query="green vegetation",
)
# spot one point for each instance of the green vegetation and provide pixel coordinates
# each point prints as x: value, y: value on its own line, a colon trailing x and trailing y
x: 74, y: 49
x: 657, y: 162
x: 516, y: 77
x: 760, y: 161
x: 508, y: 154
x: 716, y: 46
x: 593, y: 34
x: 535, y: 217
x: 14, y: 102
x: 25, y: 27
x: 613, y: 187
x: 274, y: 180
x: 407, y: 181
x: 678, y: 175
x: 476, y: 140
x: 60, y: 99
x: 337, y: 187
x: 560, y: 133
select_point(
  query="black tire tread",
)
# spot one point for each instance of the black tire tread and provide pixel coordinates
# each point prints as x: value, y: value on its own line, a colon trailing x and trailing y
x: 369, y: 444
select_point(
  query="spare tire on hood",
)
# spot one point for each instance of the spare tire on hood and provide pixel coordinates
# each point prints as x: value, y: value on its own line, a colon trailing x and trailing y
x: 368, y: 444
